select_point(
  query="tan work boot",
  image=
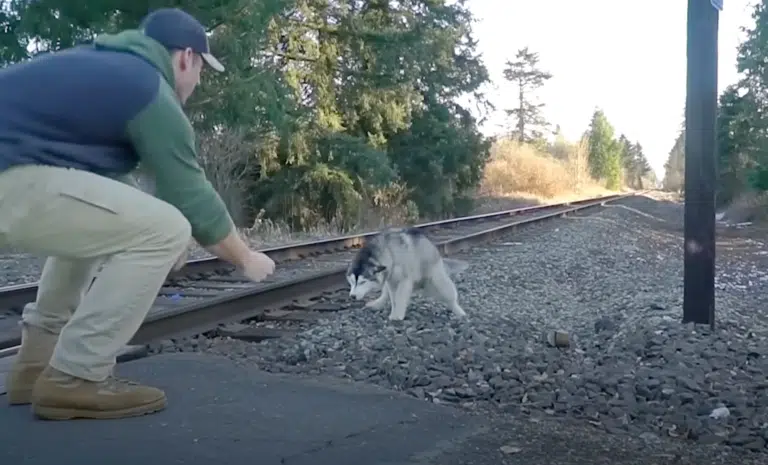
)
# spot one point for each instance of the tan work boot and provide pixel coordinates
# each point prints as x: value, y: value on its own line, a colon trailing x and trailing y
x: 36, y: 349
x: 59, y: 396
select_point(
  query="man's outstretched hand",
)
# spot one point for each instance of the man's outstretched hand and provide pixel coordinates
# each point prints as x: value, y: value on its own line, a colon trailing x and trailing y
x: 258, y: 266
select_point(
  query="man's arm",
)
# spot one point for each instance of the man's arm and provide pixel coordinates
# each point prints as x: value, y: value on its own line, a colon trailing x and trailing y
x: 165, y: 143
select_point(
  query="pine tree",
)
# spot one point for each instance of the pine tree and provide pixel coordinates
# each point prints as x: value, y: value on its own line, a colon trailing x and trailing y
x: 524, y: 72
x: 604, y: 151
x: 674, y: 168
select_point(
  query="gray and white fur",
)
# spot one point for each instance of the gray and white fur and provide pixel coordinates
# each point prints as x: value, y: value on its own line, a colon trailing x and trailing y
x: 397, y: 262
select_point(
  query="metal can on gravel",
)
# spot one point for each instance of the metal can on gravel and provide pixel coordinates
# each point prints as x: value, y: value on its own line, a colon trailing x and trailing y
x: 558, y: 339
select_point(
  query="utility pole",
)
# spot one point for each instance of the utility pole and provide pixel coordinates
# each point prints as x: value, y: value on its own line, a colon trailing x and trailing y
x: 700, y: 165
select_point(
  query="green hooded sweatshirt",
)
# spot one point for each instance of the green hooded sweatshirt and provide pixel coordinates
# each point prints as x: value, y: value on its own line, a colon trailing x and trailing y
x: 164, y: 141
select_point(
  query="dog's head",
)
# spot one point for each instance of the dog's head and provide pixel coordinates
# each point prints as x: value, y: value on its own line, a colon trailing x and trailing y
x: 364, y: 274
x: 360, y: 285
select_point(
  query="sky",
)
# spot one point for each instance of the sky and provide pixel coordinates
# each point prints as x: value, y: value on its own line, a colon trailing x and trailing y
x: 626, y: 57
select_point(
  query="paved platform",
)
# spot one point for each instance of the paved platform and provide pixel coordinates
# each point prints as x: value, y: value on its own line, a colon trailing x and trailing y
x: 224, y: 413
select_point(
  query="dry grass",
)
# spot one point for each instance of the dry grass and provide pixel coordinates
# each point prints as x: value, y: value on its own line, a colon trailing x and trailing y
x: 227, y: 159
x: 266, y: 233
x: 522, y: 172
x: 388, y: 207
x: 750, y: 206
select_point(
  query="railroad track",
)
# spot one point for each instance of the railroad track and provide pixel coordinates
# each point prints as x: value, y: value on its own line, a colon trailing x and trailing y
x: 208, y: 293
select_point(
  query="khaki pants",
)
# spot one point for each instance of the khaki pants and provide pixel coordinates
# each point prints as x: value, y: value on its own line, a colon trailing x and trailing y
x: 81, y: 221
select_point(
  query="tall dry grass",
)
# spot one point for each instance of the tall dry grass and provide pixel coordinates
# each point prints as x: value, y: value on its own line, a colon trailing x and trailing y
x: 749, y: 206
x: 523, y: 171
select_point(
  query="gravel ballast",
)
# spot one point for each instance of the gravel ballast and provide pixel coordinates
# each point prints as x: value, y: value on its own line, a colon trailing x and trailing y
x: 611, y: 280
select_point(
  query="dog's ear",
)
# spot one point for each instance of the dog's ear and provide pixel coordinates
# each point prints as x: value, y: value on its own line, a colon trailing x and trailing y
x: 379, y: 269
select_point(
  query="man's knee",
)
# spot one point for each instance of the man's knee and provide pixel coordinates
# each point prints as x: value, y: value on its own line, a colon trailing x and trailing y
x: 174, y: 229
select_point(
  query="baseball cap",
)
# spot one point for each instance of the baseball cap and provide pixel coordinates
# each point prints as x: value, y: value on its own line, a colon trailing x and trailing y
x: 177, y: 29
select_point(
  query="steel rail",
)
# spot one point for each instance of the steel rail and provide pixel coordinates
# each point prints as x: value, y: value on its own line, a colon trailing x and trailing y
x: 246, y: 304
x: 14, y: 297
x: 205, y: 316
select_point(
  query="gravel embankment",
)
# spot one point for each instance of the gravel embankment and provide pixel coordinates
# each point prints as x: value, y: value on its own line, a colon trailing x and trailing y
x: 18, y: 267
x: 613, y: 281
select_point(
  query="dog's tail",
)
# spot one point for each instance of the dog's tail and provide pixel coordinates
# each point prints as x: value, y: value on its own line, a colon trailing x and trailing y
x: 455, y: 267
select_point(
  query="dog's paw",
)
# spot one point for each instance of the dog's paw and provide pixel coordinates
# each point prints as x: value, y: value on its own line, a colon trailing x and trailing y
x: 461, y: 316
x: 455, y: 267
x: 396, y: 317
x: 376, y: 305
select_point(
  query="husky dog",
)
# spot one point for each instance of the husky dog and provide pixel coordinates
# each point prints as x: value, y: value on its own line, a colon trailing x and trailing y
x: 399, y: 261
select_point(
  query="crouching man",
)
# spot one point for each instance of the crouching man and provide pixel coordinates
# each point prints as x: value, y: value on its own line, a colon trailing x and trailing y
x: 73, y: 123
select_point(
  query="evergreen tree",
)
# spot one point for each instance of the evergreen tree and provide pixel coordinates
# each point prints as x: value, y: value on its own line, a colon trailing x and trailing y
x: 337, y: 102
x: 637, y: 172
x: 527, y: 77
x: 604, y: 151
x: 674, y: 168
x: 742, y: 126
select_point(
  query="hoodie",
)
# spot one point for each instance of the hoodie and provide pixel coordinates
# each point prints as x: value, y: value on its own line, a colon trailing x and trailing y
x: 105, y: 108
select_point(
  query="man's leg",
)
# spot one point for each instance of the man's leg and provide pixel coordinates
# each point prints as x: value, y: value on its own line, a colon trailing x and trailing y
x: 76, y: 215
x: 62, y: 285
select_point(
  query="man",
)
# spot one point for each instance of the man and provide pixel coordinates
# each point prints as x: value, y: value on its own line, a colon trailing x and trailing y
x: 73, y: 123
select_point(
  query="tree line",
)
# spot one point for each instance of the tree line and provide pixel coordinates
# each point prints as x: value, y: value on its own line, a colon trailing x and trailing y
x: 742, y: 122
x: 616, y: 161
x: 333, y: 110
